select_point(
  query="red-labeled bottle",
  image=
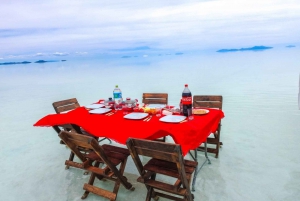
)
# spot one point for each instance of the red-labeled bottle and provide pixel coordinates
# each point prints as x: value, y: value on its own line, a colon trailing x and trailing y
x: 186, y: 101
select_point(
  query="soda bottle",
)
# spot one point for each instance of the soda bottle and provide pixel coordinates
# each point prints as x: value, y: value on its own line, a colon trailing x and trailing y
x: 186, y: 101
x: 117, y: 93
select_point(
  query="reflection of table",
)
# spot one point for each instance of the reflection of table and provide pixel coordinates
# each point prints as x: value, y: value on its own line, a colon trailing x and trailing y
x: 189, y: 134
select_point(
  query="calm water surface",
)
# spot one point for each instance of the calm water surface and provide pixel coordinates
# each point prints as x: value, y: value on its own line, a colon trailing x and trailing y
x: 260, y: 157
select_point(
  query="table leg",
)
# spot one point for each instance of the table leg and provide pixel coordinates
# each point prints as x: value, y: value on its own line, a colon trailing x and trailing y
x: 198, y: 169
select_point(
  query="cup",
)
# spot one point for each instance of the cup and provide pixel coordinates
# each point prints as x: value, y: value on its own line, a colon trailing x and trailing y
x: 117, y: 106
x: 158, y: 111
x: 190, y: 115
x: 125, y: 109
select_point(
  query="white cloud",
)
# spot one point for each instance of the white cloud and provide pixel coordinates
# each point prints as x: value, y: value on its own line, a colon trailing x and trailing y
x: 102, y: 25
x: 81, y: 53
x: 39, y: 54
x: 60, y: 54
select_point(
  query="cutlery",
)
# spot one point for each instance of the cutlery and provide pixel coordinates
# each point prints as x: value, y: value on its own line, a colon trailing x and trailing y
x: 149, y: 118
x: 183, y: 121
x: 110, y: 113
x: 146, y: 119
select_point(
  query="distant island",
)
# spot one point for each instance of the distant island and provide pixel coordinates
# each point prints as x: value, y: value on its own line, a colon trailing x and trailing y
x: 255, y: 48
x: 290, y: 46
x: 179, y: 53
x: 43, y: 61
x: 27, y: 62
x: 12, y: 63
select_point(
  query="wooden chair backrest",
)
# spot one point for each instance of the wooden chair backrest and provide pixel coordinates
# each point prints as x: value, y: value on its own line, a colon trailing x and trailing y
x: 75, y: 141
x: 155, y: 98
x: 209, y: 101
x: 65, y: 105
x: 159, y: 150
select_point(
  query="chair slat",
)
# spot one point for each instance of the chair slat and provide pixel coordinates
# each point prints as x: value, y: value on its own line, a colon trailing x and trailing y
x: 65, y: 105
x: 155, y: 98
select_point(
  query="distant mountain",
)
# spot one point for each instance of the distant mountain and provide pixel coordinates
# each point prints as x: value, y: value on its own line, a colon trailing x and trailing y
x: 27, y: 62
x: 12, y: 63
x: 43, y: 61
x: 125, y: 57
x: 290, y: 46
x: 255, y: 48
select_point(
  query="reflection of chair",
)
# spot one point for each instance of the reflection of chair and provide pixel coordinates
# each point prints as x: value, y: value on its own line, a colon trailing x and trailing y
x: 166, y: 159
x: 67, y: 105
x: 210, y: 102
x: 156, y: 98
x: 109, y: 155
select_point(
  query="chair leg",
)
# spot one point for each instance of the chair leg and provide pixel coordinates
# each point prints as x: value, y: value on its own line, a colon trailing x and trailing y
x: 105, y: 139
x: 149, y: 193
x: 91, y: 181
x: 71, y: 158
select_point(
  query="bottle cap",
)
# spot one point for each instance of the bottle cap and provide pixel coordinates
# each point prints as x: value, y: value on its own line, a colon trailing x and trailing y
x: 127, y: 98
x: 186, y: 85
x: 117, y: 86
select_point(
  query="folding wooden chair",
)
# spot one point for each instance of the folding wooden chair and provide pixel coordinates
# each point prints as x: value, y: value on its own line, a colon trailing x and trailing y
x: 156, y: 98
x: 166, y: 159
x: 109, y: 155
x: 67, y: 105
x: 211, y: 101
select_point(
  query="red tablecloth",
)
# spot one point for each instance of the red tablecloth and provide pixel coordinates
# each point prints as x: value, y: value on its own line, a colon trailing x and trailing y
x: 189, y: 134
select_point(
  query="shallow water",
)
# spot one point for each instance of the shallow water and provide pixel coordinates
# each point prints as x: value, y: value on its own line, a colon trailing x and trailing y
x: 260, y: 132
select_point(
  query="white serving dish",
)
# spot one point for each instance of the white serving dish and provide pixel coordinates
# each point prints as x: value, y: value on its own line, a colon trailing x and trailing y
x: 172, y: 118
x: 99, y: 111
x: 94, y: 106
x: 136, y: 115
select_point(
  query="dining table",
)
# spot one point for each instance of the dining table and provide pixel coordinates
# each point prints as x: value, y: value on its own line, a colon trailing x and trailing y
x: 189, y: 133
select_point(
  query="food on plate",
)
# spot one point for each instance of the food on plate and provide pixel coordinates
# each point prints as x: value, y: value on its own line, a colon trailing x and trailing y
x: 200, y: 111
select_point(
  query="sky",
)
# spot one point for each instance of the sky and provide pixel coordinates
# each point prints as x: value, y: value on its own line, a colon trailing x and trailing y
x: 60, y: 28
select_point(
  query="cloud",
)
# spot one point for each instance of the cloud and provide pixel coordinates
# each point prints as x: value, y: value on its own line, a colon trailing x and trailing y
x: 60, y: 54
x: 101, y: 26
x: 81, y: 53
x: 39, y: 54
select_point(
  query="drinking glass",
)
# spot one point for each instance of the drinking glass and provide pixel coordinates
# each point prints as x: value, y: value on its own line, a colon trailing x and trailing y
x: 158, y: 111
x: 190, y: 115
x: 125, y: 109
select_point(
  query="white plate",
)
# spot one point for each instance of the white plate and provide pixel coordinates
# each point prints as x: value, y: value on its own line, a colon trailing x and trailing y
x: 94, y: 106
x: 99, y: 111
x: 136, y: 115
x: 172, y: 118
x: 156, y: 105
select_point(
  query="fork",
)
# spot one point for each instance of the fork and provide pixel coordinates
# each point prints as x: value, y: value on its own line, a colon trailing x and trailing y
x: 110, y: 113
x: 149, y: 118
x: 146, y: 119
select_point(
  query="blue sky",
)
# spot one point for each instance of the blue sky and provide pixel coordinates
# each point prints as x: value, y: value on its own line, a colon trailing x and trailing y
x: 62, y: 28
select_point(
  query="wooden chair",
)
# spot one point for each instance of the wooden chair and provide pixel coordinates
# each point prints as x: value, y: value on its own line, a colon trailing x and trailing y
x: 156, y: 98
x: 211, y: 101
x: 166, y: 159
x: 67, y: 105
x: 109, y: 155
